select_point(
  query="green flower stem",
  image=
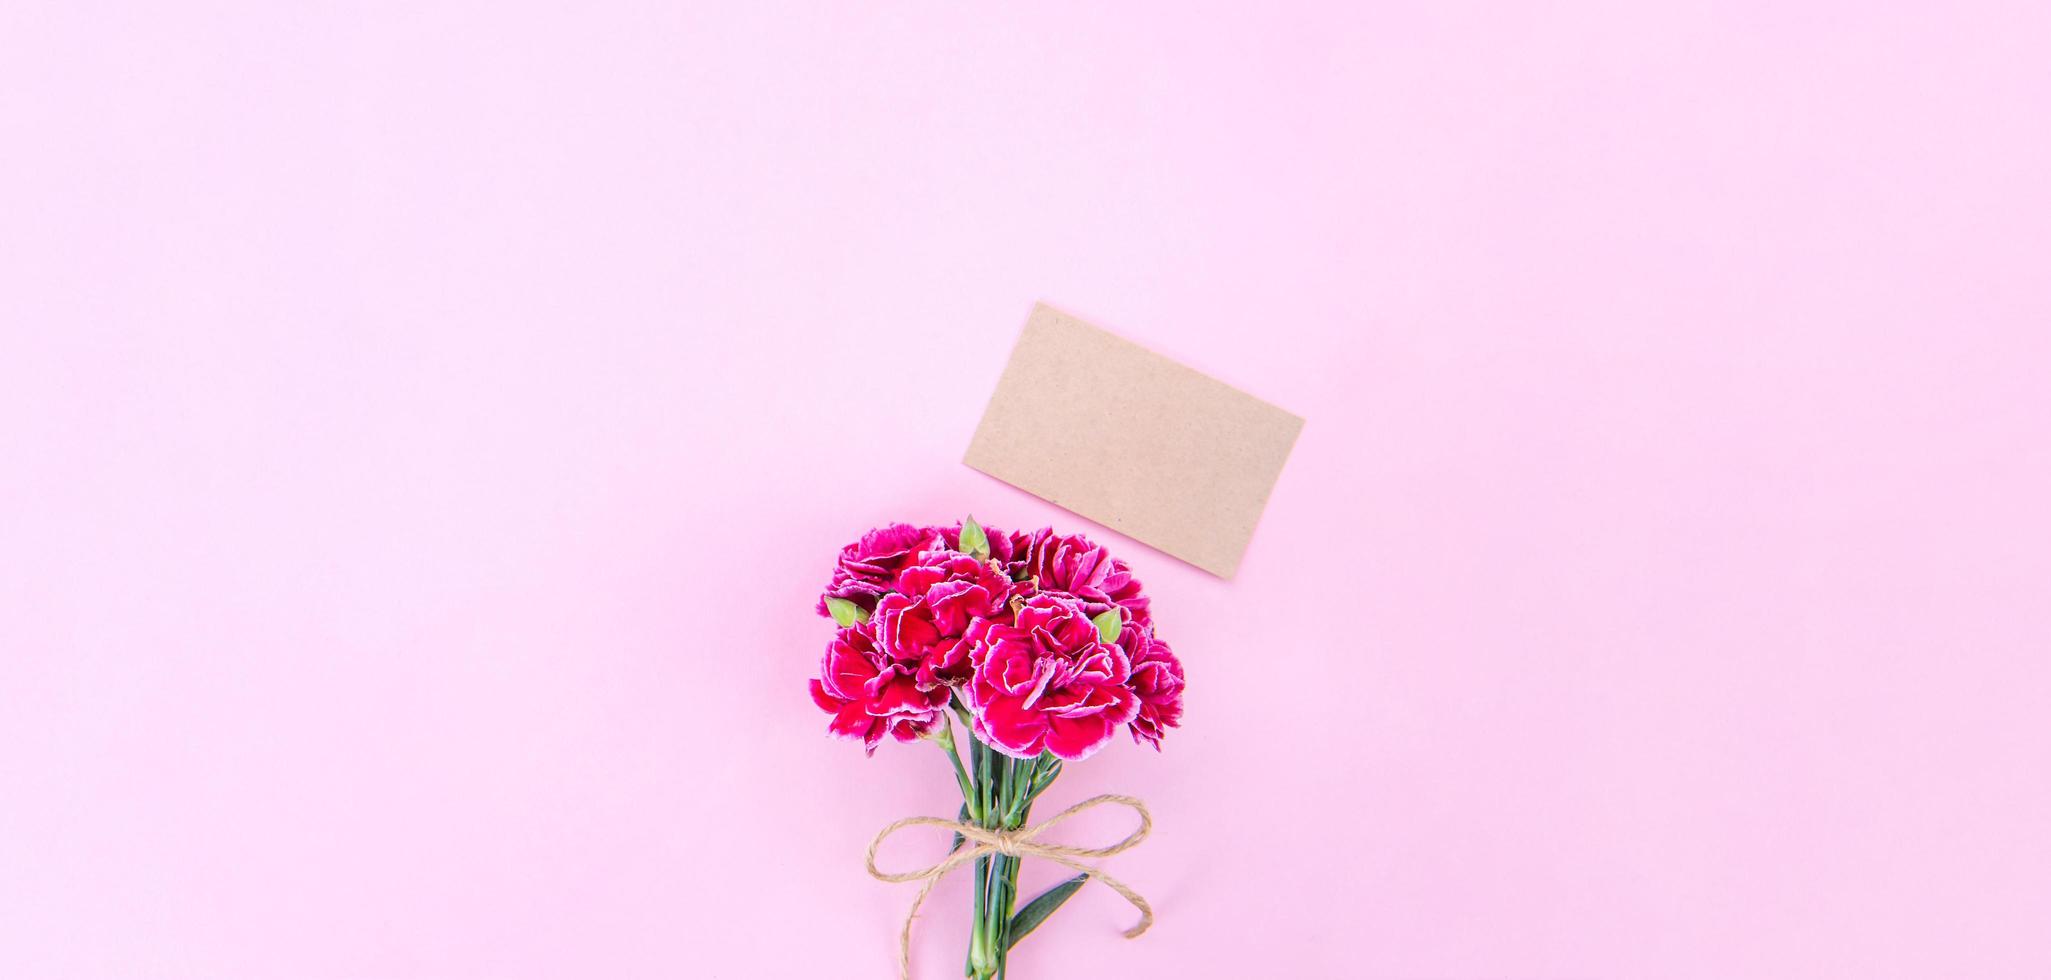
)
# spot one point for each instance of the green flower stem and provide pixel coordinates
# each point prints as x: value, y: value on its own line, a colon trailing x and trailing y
x: 982, y: 957
x: 1016, y: 784
x: 945, y: 739
x: 998, y: 792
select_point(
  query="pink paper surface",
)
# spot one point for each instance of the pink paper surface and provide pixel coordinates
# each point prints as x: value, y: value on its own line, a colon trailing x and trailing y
x: 424, y: 427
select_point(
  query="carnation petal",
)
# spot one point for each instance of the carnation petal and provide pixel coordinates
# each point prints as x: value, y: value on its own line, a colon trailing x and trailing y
x: 825, y: 701
x: 1012, y: 730
x: 1075, y: 739
x: 852, y: 721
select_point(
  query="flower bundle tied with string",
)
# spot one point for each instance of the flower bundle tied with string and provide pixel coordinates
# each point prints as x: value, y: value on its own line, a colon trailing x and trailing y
x: 1043, y: 646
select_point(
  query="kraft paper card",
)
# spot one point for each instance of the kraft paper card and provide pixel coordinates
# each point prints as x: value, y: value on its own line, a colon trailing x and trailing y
x: 1130, y: 439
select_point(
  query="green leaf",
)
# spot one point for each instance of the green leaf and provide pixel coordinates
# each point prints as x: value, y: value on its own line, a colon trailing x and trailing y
x: 1108, y: 624
x: 1037, y: 910
x: 844, y: 612
x: 973, y: 541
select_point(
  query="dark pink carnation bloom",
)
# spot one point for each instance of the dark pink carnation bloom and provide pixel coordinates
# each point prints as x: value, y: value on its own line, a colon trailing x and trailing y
x: 959, y: 588
x: 1156, y: 679
x: 867, y: 567
x: 1047, y: 682
x: 869, y: 696
x: 909, y: 633
x: 922, y: 624
x: 1073, y: 564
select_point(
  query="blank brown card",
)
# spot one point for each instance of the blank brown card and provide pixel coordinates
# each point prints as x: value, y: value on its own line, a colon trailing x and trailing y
x: 1133, y: 440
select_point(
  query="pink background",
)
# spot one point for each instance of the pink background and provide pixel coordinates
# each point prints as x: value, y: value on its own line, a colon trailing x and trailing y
x: 423, y: 429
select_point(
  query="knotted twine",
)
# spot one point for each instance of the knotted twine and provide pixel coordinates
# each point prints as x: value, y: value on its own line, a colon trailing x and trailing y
x: 1014, y: 843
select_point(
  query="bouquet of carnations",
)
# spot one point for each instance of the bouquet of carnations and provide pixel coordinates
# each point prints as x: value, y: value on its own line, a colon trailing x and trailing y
x: 1043, y: 646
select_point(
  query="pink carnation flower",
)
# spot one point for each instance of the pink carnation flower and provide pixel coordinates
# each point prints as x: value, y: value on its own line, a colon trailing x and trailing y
x: 1046, y: 681
x: 1156, y: 679
x: 868, y: 695
x: 922, y: 624
x: 1074, y: 564
x: 867, y: 567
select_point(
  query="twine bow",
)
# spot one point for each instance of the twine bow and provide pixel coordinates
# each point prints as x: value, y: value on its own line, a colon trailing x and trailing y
x: 1014, y: 843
